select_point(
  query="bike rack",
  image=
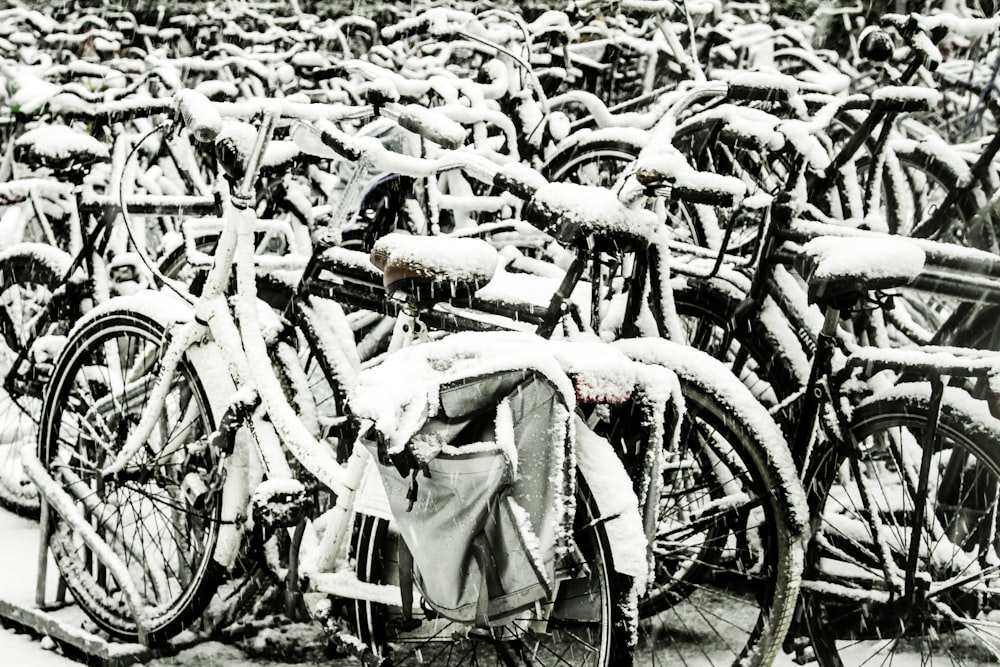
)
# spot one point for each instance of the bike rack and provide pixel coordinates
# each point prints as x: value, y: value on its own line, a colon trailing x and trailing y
x: 54, y: 498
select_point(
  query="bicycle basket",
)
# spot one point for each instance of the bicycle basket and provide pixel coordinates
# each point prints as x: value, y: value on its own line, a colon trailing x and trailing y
x: 483, y: 495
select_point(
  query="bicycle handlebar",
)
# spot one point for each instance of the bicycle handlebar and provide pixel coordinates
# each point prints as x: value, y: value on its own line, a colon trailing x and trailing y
x: 199, y: 114
x: 433, y: 126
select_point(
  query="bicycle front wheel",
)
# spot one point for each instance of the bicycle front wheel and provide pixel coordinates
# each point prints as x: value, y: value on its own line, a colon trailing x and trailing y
x: 862, y: 612
x: 161, y: 514
x: 585, y: 625
x: 727, y: 550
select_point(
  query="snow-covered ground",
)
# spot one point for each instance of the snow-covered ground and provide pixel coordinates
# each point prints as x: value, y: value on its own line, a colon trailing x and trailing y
x: 297, y: 644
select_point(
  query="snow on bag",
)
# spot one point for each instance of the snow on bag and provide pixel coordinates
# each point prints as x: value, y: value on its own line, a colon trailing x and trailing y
x: 477, y: 444
x: 481, y: 521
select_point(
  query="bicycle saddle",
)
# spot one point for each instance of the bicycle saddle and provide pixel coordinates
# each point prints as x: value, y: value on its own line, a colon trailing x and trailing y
x: 434, y: 268
x: 59, y: 148
x: 840, y: 270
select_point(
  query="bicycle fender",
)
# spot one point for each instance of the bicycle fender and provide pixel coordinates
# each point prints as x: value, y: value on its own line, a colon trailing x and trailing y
x: 697, y: 367
x: 617, y: 503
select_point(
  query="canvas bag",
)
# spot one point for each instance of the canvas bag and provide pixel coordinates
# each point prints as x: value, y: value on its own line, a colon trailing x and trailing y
x: 480, y: 495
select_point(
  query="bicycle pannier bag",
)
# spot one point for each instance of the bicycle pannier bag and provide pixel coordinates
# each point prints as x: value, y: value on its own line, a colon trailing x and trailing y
x: 480, y: 494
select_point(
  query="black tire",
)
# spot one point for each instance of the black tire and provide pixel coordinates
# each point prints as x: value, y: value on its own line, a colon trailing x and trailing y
x: 930, y: 179
x: 171, y: 558
x: 598, y: 160
x: 29, y: 274
x: 757, y: 353
x: 603, y: 637
x: 865, y: 623
x: 728, y: 552
x: 590, y: 161
x: 710, y: 145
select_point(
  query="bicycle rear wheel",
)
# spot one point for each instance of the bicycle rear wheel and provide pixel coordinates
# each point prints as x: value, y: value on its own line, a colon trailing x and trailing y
x: 764, y: 353
x: 591, y: 161
x: 160, y: 515
x: 586, y: 623
x: 951, y: 618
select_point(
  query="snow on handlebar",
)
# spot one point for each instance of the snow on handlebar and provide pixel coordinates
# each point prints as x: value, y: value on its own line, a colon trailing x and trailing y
x: 200, y: 115
x: 325, y: 139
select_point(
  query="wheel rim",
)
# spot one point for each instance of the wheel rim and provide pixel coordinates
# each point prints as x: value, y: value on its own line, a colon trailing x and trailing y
x: 20, y: 304
x: 161, y: 514
x: 715, y: 608
x: 954, y: 619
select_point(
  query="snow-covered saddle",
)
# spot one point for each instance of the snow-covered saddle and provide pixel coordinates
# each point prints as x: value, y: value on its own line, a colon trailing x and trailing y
x: 587, y: 214
x: 839, y: 269
x: 59, y: 148
x: 434, y: 268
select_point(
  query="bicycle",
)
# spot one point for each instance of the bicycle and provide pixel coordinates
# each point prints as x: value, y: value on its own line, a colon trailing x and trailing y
x: 201, y: 470
x: 719, y: 447
x: 901, y: 484
x: 838, y: 407
x: 46, y: 287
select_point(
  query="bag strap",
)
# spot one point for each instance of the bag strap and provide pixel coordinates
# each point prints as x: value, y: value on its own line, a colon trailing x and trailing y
x: 406, y: 585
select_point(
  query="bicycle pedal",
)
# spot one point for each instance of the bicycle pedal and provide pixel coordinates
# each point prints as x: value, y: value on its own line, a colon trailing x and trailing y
x: 280, y: 503
x: 802, y: 650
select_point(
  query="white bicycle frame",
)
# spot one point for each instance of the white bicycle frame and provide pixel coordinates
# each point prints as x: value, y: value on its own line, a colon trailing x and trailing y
x: 239, y: 339
x: 276, y: 427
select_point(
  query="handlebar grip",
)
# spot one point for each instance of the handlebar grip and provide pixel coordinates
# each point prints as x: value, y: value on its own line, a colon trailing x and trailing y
x: 416, y: 26
x: 691, y: 186
x: 720, y: 198
x: 520, y: 180
x: 340, y: 143
x: 199, y: 114
x: 763, y: 91
x: 432, y: 125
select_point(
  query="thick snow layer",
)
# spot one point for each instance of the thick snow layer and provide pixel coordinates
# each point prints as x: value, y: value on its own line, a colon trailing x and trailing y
x: 675, y: 168
x: 400, y: 393
x: 595, y: 210
x: 62, y: 141
x: 912, y: 93
x: 872, y: 260
x: 616, y: 502
x: 444, y: 258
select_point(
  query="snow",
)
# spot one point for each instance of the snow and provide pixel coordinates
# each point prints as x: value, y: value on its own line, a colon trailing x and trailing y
x: 61, y: 141
x: 47, y: 255
x: 612, y: 491
x: 712, y: 375
x: 677, y: 171
x: 593, y: 210
x: 891, y: 259
x: 967, y: 27
x: 928, y: 96
x: 584, y: 372
x: 437, y: 257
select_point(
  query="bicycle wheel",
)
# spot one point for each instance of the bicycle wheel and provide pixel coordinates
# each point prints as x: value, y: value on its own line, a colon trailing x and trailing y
x: 855, y: 616
x: 591, y: 161
x: 727, y: 548
x: 711, y: 144
x: 586, y: 624
x: 765, y: 355
x: 930, y: 178
x: 161, y: 514
x: 28, y: 276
